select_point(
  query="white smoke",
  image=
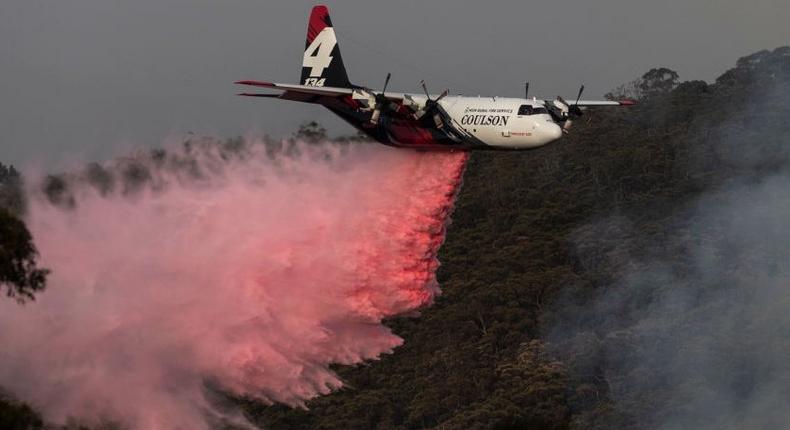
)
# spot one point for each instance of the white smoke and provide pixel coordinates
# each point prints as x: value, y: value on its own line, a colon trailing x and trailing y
x: 695, y: 332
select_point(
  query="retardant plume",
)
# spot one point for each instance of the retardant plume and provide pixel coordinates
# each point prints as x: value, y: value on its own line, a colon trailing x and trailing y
x: 249, y: 271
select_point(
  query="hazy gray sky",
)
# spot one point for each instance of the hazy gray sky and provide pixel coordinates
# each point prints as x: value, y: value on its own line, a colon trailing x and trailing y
x: 86, y: 79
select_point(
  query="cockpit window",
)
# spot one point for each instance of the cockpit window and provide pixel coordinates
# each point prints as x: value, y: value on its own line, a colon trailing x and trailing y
x: 532, y: 110
x: 525, y: 110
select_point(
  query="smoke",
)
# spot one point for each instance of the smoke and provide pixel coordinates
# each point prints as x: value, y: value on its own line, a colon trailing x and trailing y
x: 695, y: 331
x: 698, y: 339
x: 246, y: 271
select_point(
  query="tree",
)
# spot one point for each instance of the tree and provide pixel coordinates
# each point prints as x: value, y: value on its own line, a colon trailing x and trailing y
x: 19, y: 273
x: 11, y: 196
x: 18, y: 416
x: 658, y: 81
x: 655, y: 82
x: 311, y: 132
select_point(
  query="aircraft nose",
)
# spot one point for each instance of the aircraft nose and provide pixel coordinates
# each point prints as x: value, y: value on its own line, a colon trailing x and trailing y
x: 549, y: 131
x: 553, y: 132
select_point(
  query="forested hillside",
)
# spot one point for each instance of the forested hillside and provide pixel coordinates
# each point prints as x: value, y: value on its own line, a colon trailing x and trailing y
x: 628, y: 276
x: 521, y: 337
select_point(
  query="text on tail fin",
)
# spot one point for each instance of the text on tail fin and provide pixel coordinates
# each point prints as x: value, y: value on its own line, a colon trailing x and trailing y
x: 322, y: 64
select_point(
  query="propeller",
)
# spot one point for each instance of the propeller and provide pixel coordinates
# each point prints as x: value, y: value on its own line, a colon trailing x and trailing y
x: 387, y: 82
x: 441, y: 96
x: 574, y: 108
x: 430, y: 104
x: 382, y: 102
x: 526, y: 90
x: 565, y: 112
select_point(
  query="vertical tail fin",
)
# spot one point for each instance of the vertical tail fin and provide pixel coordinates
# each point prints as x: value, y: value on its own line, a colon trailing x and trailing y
x: 322, y: 65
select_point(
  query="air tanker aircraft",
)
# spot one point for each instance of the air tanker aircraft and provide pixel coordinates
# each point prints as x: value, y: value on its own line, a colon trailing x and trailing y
x: 423, y: 121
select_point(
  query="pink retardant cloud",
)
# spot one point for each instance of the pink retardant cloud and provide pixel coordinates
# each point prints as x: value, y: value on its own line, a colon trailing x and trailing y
x: 254, y: 275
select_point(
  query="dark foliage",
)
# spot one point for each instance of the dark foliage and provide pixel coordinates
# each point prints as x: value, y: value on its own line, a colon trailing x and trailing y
x: 19, y: 273
x: 654, y: 83
x: 311, y: 132
x: 12, y: 197
x: 19, y: 276
x: 18, y: 416
x: 478, y: 357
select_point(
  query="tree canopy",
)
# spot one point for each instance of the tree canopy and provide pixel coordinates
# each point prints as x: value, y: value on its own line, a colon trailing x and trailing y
x: 536, y: 237
x: 19, y: 274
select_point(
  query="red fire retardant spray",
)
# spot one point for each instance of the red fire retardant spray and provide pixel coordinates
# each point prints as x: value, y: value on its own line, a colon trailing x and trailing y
x: 252, y: 276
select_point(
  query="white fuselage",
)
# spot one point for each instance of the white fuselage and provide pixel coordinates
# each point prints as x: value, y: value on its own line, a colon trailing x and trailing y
x: 497, y: 122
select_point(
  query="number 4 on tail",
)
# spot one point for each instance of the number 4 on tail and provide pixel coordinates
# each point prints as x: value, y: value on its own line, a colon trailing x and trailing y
x: 318, y: 56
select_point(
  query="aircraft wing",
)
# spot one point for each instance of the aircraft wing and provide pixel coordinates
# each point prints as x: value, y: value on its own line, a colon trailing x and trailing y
x: 593, y: 103
x: 306, y: 90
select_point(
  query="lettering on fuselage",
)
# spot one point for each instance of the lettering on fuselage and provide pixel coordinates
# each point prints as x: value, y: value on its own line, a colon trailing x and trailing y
x: 495, y: 120
x: 487, y: 110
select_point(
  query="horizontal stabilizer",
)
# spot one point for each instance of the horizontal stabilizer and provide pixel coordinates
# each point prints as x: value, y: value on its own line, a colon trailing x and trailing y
x: 257, y: 84
x: 259, y: 95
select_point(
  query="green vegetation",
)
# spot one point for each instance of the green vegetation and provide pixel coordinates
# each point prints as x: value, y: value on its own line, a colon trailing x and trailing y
x: 12, y: 198
x: 17, y: 416
x: 18, y: 271
x: 531, y: 230
x: 19, y: 274
x: 19, y: 277
x: 313, y: 132
x: 536, y: 238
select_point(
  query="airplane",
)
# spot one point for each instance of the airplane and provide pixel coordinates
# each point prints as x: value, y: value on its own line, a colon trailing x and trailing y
x: 423, y: 121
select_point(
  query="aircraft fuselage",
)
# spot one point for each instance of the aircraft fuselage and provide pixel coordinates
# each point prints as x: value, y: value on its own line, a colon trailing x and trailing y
x: 422, y: 121
x: 462, y: 123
